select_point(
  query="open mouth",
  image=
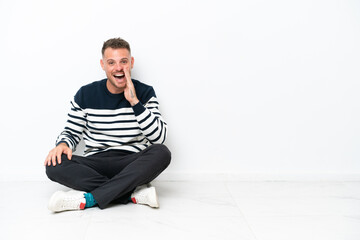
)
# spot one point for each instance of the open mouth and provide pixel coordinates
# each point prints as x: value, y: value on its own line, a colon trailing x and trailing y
x: 119, y: 76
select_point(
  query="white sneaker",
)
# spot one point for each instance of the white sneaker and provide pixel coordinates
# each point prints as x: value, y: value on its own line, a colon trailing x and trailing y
x: 146, y: 195
x: 64, y: 201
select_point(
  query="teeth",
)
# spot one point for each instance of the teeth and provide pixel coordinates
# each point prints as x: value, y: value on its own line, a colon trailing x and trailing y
x: 119, y: 75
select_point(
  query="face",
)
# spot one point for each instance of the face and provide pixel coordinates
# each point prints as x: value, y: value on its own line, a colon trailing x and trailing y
x: 114, y: 63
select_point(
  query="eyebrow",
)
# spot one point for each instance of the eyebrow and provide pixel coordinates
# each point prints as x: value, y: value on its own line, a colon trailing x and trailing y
x: 110, y: 59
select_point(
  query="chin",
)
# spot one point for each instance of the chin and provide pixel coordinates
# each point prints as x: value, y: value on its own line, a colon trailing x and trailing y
x: 116, y: 83
x: 120, y: 85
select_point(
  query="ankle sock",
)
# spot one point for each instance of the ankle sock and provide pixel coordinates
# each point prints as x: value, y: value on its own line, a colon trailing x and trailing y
x: 90, y: 200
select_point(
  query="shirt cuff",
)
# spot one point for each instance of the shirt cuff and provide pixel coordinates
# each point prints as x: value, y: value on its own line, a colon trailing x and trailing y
x: 138, y: 108
x: 63, y: 141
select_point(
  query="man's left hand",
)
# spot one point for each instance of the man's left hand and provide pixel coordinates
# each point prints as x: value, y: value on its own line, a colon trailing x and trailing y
x: 129, y: 90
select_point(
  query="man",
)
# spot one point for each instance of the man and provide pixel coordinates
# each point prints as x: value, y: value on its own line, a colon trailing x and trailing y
x: 123, y: 130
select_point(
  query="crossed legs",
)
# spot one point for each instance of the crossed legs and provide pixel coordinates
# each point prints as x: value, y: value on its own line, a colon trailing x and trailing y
x: 111, y: 176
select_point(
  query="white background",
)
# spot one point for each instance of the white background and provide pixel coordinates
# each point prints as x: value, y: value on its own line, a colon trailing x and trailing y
x: 250, y: 89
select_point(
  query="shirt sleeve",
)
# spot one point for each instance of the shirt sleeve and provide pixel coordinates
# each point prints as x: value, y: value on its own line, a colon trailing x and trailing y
x: 75, y: 125
x: 151, y: 123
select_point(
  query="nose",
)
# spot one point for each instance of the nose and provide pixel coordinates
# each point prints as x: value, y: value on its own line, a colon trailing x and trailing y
x: 118, y: 67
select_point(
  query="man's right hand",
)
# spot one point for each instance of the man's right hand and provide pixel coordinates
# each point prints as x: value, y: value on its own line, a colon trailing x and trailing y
x: 55, y: 154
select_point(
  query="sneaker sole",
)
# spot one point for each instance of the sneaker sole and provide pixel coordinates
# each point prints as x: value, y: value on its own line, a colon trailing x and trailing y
x: 156, y: 204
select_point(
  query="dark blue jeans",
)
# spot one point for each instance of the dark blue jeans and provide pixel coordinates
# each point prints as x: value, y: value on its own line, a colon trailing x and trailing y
x: 111, y: 176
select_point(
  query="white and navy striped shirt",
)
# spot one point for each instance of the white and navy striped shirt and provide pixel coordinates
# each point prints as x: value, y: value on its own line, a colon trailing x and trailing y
x: 107, y: 121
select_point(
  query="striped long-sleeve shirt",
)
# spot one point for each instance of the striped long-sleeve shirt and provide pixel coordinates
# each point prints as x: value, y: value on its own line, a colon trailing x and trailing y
x: 107, y: 121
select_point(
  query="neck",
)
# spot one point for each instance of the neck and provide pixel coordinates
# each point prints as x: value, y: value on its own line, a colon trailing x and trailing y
x: 112, y: 89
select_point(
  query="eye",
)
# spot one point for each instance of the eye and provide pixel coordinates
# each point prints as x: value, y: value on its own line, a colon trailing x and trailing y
x: 111, y: 63
x: 124, y: 61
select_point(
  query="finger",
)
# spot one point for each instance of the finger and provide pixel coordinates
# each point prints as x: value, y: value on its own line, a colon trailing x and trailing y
x: 127, y: 74
x: 129, y: 83
x: 50, y: 159
x: 69, y: 154
x: 59, y: 157
x: 53, y: 159
x: 46, y: 160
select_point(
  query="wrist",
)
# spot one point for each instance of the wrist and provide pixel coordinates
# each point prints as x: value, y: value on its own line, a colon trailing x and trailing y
x: 134, y: 102
x: 63, y: 143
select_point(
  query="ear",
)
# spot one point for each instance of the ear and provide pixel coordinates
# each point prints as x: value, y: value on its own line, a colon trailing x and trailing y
x: 102, y: 64
x: 132, y: 62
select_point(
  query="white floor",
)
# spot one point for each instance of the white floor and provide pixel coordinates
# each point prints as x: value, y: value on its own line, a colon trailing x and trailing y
x: 192, y: 210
